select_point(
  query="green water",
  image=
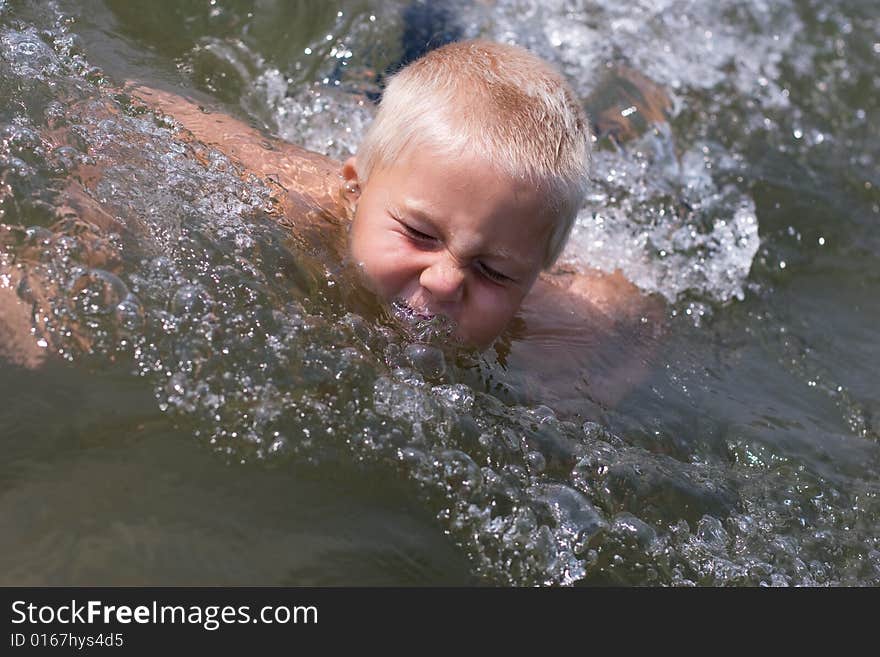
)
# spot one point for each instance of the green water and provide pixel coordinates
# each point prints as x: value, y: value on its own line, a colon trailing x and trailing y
x: 231, y: 426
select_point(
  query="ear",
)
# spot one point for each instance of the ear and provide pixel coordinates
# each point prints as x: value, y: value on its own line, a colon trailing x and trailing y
x: 349, y: 174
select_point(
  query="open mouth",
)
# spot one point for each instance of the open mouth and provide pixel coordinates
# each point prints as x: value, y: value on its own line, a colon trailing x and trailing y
x: 422, y: 325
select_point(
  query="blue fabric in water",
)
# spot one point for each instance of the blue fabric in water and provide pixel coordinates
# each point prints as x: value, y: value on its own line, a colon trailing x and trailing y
x: 426, y: 26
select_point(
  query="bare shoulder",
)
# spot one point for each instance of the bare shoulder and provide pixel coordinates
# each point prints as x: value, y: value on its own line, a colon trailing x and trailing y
x: 610, y: 295
x: 588, y: 336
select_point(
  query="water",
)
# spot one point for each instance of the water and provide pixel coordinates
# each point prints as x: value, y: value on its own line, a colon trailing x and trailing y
x: 206, y: 404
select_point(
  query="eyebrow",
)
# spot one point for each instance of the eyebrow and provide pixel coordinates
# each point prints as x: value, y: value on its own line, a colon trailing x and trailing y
x: 417, y: 211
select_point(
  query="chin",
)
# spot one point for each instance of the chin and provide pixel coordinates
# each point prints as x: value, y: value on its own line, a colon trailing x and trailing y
x: 479, y: 344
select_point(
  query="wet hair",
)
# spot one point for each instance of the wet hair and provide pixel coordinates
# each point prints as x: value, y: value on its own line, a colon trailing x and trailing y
x: 499, y: 102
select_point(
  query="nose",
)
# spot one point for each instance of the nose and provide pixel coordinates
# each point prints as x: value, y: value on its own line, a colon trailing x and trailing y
x: 444, y: 279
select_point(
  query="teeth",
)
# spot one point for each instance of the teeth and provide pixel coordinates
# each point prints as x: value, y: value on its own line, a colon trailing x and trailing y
x: 422, y: 326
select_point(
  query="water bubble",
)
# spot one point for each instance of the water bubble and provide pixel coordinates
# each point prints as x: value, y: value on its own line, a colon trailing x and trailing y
x: 428, y: 360
x: 191, y: 300
x: 27, y: 47
x: 130, y: 314
x: 537, y: 462
x: 571, y: 509
x: 459, y: 470
x: 629, y: 526
x: 712, y: 534
x: 65, y: 158
x: 100, y: 292
x: 37, y: 236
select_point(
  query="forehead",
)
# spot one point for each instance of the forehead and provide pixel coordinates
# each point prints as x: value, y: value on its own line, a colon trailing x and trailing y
x: 473, y: 202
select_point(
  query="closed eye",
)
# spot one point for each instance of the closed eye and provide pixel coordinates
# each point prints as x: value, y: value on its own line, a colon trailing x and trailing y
x: 491, y: 274
x: 426, y: 240
x: 416, y: 235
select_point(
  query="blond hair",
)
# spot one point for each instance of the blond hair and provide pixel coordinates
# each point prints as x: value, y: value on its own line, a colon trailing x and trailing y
x: 499, y: 102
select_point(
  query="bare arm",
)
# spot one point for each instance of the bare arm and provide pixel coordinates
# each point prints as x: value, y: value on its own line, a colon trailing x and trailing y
x: 298, y: 172
x: 17, y: 343
x: 30, y: 295
x: 306, y: 201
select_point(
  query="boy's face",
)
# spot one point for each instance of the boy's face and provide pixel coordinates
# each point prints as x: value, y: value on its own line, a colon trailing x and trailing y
x: 450, y: 237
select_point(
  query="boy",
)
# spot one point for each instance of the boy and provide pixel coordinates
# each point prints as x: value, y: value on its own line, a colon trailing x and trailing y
x: 463, y: 191
x: 467, y: 184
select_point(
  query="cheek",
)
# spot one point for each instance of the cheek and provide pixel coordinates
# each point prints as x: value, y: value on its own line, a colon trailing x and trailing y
x: 385, y: 262
x: 490, y: 312
x: 361, y: 235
